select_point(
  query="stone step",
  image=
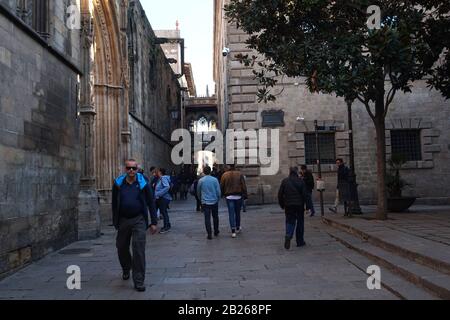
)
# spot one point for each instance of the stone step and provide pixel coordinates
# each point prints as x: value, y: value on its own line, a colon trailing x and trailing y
x: 415, y: 256
x: 423, y: 277
x: 398, y: 286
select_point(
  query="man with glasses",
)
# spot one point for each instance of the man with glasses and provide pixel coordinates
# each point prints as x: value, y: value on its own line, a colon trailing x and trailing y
x: 131, y: 196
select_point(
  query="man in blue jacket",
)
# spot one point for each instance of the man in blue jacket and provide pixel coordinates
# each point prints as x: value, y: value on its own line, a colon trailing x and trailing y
x: 163, y: 197
x: 208, y: 191
x: 131, y: 196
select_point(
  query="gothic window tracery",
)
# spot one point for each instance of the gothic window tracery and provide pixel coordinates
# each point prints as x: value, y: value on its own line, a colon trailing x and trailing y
x: 41, y: 18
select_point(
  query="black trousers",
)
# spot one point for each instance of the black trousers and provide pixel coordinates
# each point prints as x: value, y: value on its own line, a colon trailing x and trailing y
x: 211, y: 210
x: 295, y: 222
x: 132, y: 231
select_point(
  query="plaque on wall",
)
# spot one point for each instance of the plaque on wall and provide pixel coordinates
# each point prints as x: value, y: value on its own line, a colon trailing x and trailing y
x: 272, y: 118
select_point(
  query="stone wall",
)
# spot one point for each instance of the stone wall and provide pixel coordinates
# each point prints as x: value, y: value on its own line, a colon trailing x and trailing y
x: 422, y: 109
x: 154, y: 92
x: 39, y: 152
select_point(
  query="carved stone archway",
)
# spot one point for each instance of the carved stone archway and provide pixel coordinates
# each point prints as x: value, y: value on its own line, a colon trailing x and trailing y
x: 110, y: 92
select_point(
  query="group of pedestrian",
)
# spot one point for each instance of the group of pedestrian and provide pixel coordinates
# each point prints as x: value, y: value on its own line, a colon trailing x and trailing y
x: 136, y: 199
x: 231, y: 185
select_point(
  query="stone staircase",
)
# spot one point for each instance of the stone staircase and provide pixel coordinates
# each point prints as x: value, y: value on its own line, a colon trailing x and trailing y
x: 407, y: 273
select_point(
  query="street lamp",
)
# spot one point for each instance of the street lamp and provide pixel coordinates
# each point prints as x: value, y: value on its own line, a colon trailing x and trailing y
x: 320, y: 187
x: 175, y: 114
x: 355, y: 207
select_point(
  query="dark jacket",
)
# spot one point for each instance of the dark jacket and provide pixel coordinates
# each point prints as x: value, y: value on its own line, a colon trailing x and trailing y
x: 146, y: 196
x: 308, y: 179
x: 153, y: 181
x: 343, y: 184
x: 292, y: 192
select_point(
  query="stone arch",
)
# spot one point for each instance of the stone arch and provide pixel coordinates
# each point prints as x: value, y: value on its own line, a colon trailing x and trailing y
x: 108, y: 93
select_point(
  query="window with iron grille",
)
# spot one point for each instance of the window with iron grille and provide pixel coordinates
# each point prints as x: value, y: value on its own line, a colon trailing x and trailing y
x: 327, y: 148
x: 406, y: 143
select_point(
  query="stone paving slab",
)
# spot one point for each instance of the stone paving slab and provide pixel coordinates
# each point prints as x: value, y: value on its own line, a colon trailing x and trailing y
x: 423, y: 230
x: 183, y: 264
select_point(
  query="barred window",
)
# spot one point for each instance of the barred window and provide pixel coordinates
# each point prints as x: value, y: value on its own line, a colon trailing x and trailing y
x: 406, y: 143
x: 327, y: 148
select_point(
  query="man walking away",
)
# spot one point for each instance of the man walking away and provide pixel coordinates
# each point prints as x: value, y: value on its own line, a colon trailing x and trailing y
x: 308, y: 179
x: 234, y: 188
x: 163, y: 197
x: 183, y: 180
x: 198, y: 202
x: 291, y: 197
x: 131, y: 196
x: 342, y: 188
x: 175, y: 185
x: 208, y: 190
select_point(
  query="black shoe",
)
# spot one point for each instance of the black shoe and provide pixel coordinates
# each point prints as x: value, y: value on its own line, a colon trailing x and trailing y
x: 301, y: 244
x: 140, y: 288
x: 209, y: 237
x: 216, y: 234
x: 287, y: 243
x: 126, y: 275
x: 164, y: 230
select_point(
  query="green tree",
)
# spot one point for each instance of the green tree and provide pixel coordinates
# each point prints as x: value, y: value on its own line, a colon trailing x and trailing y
x: 331, y: 45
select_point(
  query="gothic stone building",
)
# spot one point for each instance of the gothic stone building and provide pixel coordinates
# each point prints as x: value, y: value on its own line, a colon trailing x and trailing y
x: 74, y: 104
x: 418, y: 125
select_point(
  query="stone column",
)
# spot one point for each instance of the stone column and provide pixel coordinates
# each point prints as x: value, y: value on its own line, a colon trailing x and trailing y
x: 125, y: 81
x: 88, y: 200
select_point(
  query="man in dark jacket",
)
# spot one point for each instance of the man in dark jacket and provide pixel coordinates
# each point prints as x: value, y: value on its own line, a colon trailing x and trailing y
x: 131, y: 196
x: 308, y: 179
x: 343, y: 187
x: 291, y: 197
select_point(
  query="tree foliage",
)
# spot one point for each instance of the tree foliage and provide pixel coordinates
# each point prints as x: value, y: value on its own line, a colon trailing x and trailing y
x: 329, y: 43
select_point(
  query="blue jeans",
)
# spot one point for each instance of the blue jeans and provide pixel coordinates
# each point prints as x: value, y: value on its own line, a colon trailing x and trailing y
x: 295, y: 222
x: 234, y: 211
x: 309, y: 202
x: 162, y: 205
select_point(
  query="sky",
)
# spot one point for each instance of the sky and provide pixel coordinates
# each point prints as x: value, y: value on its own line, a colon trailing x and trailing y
x: 196, y: 25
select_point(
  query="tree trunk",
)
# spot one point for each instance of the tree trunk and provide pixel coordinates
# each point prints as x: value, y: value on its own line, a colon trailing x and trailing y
x: 381, y: 167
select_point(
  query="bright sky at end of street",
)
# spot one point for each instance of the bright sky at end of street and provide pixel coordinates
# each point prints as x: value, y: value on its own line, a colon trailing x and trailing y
x: 196, y: 19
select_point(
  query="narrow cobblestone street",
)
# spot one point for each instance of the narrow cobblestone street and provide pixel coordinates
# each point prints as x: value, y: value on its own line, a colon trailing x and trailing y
x: 183, y: 264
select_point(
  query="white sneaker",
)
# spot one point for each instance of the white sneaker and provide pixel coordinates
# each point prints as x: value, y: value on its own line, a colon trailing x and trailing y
x: 238, y: 230
x: 233, y: 235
